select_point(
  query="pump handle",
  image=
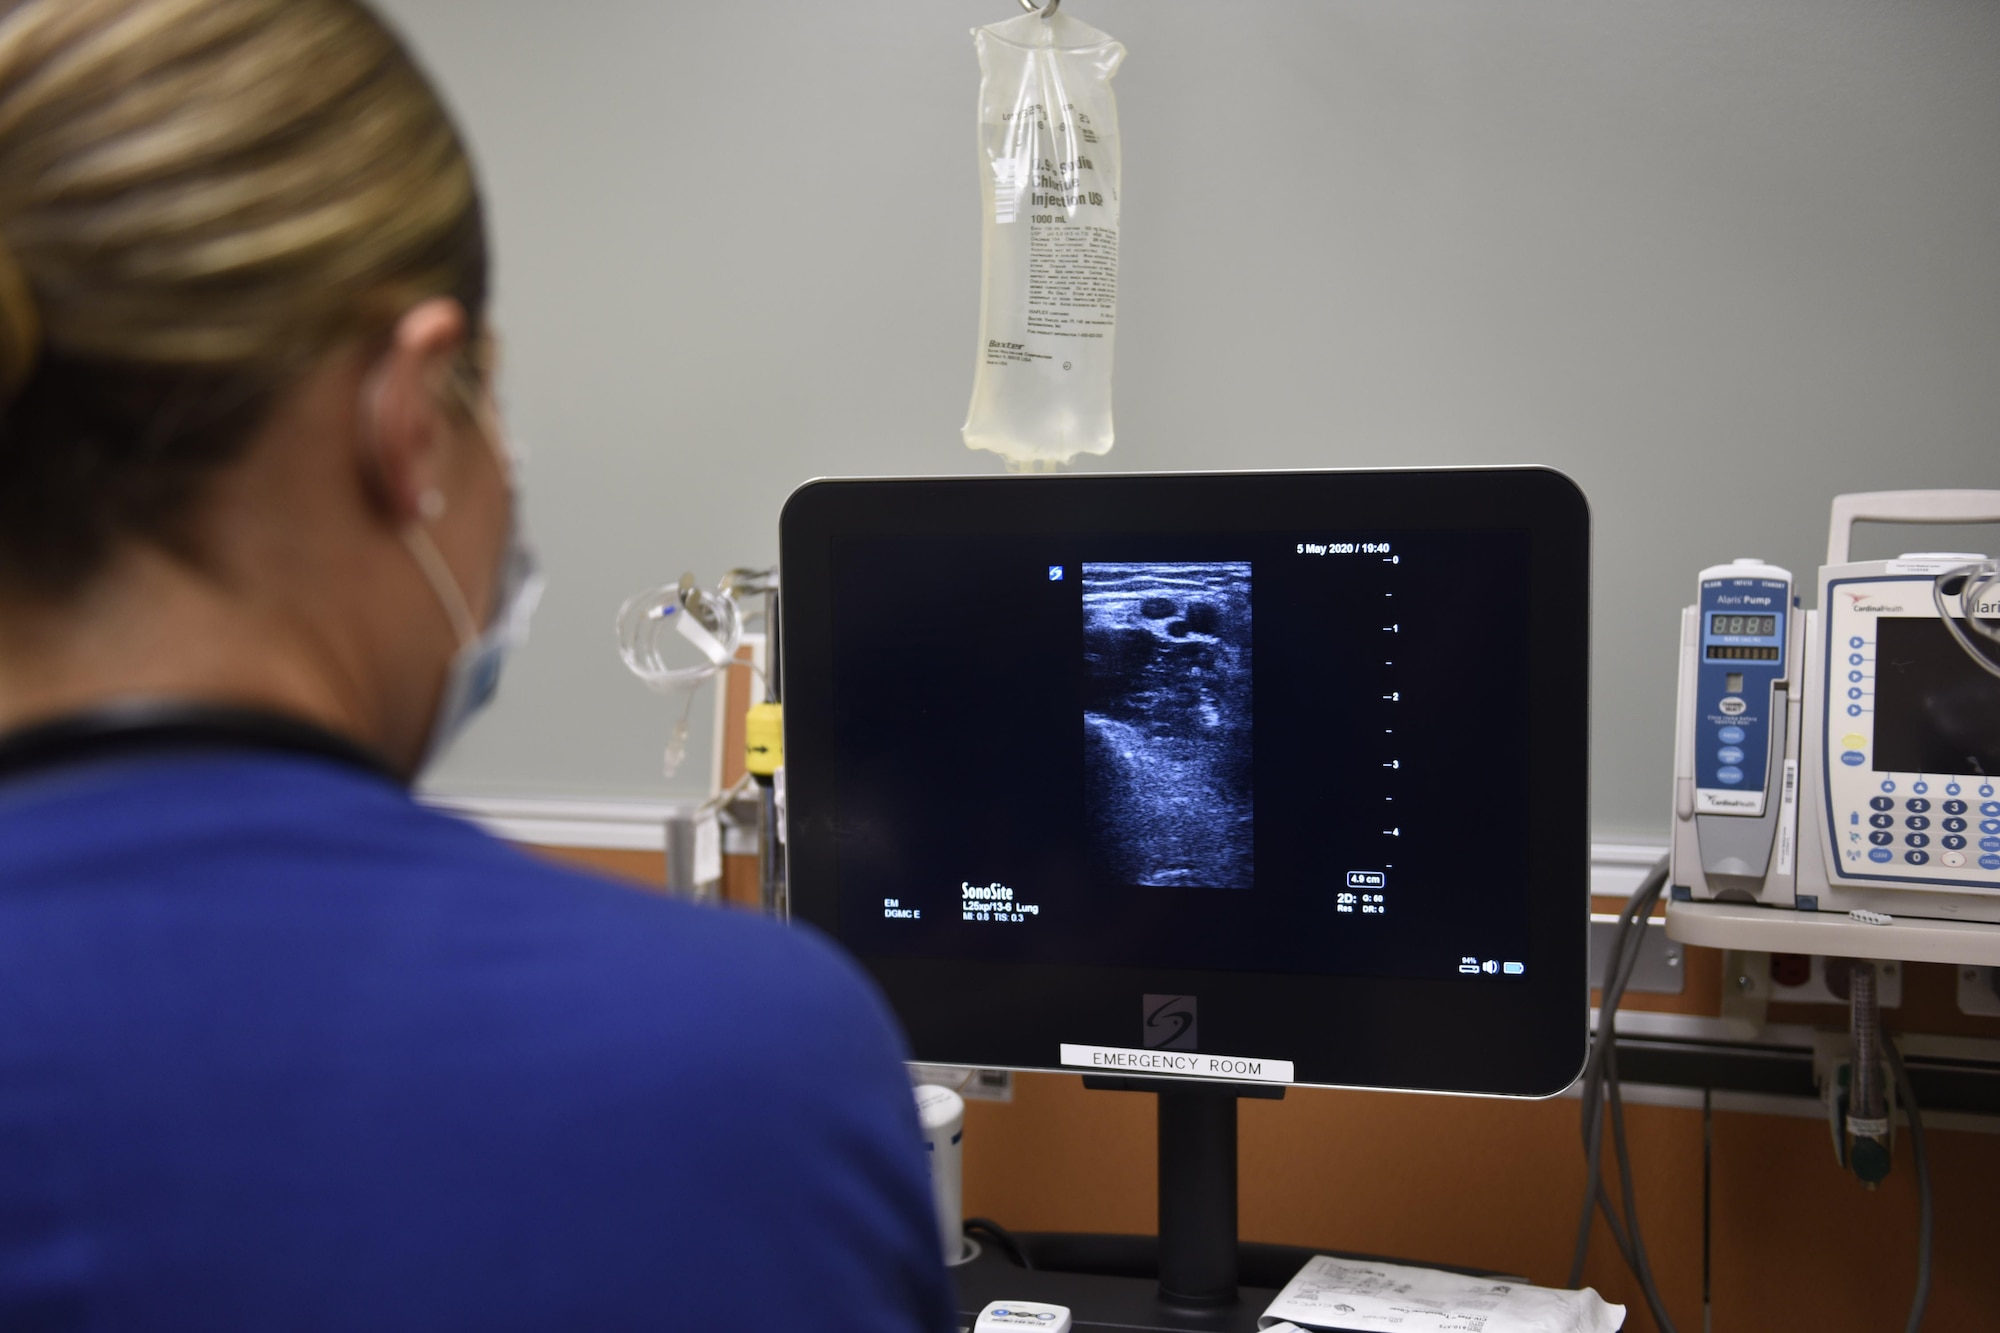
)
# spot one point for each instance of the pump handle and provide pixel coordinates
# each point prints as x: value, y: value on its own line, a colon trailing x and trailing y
x: 1905, y: 507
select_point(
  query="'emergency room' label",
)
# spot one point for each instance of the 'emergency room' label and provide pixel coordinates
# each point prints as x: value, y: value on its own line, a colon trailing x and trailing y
x: 1179, y: 1064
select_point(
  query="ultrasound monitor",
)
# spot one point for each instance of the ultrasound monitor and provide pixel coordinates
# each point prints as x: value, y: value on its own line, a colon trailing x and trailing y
x: 1250, y: 777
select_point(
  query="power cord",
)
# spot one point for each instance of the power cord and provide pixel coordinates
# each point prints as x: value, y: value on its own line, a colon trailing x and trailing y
x: 1971, y: 584
x: 1000, y: 1236
x: 1908, y: 1097
x: 1600, y: 1092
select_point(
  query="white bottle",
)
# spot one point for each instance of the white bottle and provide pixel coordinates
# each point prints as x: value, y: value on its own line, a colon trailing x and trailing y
x: 941, y: 1112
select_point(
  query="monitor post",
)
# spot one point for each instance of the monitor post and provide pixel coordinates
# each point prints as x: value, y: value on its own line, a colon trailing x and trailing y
x: 1197, y: 1178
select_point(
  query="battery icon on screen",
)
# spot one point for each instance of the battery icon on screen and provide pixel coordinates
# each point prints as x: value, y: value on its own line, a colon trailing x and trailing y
x: 1513, y: 969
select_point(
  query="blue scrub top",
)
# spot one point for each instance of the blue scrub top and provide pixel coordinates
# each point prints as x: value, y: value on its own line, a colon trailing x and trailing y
x: 281, y: 1049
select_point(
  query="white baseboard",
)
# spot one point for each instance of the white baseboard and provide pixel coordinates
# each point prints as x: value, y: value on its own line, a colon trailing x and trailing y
x: 638, y: 826
x: 1616, y: 868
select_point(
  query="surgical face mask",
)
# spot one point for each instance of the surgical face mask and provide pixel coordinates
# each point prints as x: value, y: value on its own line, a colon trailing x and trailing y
x: 474, y: 674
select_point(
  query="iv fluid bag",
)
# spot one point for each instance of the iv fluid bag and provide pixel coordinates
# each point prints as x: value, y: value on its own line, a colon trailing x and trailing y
x: 1048, y: 303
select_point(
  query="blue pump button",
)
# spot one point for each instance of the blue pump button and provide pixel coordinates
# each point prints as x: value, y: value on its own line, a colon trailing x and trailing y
x: 1880, y: 803
x: 1917, y: 858
x: 1729, y: 754
x: 1729, y: 777
x: 1853, y: 758
x: 1989, y: 844
x: 1880, y: 854
x: 1989, y: 808
x: 1731, y: 735
x: 1989, y: 862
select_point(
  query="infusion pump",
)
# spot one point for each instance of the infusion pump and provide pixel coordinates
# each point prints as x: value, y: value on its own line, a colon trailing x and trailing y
x: 1837, y: 771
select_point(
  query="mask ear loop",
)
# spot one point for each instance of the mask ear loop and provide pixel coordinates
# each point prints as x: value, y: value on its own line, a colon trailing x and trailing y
x: 416, y: 538
x: 438, y: 574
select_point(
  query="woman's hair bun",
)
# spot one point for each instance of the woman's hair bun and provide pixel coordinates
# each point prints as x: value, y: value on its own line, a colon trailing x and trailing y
x: 198, y: 200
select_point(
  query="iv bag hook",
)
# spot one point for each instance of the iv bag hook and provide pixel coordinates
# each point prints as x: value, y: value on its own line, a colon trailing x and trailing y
x: 1047, y: 11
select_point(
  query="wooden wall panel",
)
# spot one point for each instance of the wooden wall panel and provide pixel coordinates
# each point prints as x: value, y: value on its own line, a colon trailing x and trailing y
x: 649, y: 870
x: 645, y: 868
x: 1797, y: 1243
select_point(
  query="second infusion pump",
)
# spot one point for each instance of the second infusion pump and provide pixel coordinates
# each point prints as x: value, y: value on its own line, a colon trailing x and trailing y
x: 1846, y: 760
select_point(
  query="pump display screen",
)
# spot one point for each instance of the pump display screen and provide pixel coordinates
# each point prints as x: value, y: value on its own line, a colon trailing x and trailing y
x: 1936, y: 710
x: 1754, y: 627
x: 1246, y: 751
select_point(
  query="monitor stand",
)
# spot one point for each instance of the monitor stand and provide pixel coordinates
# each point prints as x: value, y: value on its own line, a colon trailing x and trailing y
x: 1195, y: 1262
x: 1198, y: 1250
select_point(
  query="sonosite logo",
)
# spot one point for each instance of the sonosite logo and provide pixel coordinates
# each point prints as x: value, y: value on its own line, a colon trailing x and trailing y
x: 1169, y: 1022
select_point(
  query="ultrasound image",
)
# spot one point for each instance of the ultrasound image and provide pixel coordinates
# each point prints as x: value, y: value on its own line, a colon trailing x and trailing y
x: 1166, y: 719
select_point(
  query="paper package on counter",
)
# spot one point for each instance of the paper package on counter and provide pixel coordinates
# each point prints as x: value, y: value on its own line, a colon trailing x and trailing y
x: 1352, y: 1294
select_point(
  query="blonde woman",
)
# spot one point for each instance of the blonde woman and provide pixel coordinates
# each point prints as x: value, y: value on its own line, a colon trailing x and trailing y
x: 280, y: 1049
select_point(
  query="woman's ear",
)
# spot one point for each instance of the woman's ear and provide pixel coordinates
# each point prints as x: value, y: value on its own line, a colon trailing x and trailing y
x: 405, y: 428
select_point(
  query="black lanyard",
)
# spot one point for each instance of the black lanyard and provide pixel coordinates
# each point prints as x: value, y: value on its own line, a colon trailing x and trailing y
x: 154, y: 727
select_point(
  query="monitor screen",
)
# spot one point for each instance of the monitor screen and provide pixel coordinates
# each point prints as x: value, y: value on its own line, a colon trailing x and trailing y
x: 1272, y: 744
x: 1158, y: 755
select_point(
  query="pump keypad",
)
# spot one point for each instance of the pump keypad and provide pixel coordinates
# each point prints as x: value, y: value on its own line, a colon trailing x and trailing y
x: 1887, y: 823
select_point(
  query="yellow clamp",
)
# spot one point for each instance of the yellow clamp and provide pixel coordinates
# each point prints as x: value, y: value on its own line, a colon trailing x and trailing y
x: 764, y: 739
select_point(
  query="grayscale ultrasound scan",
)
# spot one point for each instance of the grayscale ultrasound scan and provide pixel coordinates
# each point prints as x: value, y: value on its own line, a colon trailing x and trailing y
x: 1167, y: 723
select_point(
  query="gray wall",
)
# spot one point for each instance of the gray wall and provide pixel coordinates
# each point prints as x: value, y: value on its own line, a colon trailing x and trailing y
x: 1718, y: 261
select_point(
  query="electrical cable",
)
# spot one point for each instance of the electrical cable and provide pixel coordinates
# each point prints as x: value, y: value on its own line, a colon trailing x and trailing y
x: 1641, y: 1264
x: 1908, y: 1096
x: 1624, y: 955
x: 999, y: 1235
x: 1602, y: 1099
x: 1595, y: 1196
x: 1974, y: 582
x: 715, y: 803
x: 1707, y: 1203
